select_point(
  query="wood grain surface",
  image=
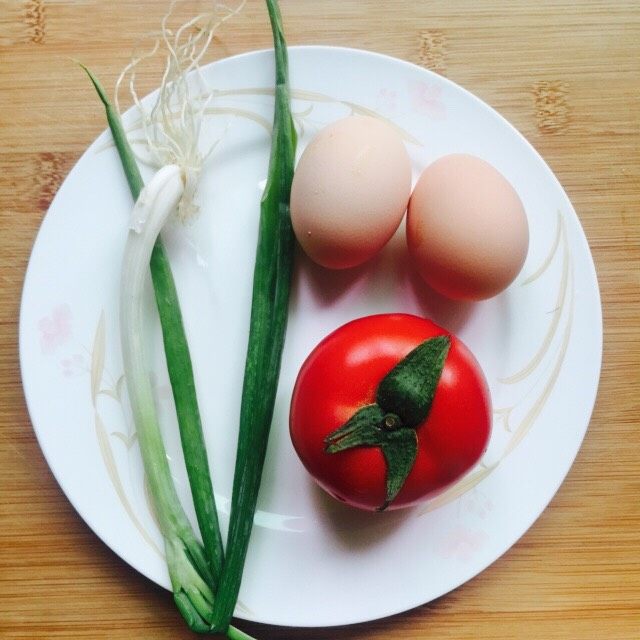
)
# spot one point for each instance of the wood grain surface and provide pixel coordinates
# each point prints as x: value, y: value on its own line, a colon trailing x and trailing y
x: 566, y: 74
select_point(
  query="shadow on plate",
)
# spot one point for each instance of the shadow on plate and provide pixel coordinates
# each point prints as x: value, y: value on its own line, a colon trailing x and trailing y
x: 354, y: 529
x: 388, y: 281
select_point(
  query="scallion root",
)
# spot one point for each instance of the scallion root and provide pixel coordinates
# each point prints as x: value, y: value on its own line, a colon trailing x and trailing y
x: 172, y: 125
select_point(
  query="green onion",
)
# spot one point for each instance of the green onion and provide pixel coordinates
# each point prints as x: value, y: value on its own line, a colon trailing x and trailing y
x: 192, y: 574
x: 178, y: 359
x: 271, y: 286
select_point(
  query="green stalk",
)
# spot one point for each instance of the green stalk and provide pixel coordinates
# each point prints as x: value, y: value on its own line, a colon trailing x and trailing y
x: 269, y: 308
x: 178, y: 359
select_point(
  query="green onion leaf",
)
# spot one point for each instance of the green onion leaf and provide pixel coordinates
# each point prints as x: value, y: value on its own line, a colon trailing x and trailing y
x: 271, y: 286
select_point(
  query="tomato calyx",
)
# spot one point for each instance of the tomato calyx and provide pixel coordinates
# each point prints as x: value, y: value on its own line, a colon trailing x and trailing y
x: 370, y: 426
x: 403, y: 400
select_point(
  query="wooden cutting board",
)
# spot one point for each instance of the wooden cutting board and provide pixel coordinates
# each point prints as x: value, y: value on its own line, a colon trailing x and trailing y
x: 567, y: 74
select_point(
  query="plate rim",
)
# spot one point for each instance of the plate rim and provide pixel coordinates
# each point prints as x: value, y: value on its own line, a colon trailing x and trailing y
x: 597, y: 318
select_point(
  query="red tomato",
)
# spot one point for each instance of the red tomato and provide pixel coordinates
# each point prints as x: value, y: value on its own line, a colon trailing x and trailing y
x: 341, y: 375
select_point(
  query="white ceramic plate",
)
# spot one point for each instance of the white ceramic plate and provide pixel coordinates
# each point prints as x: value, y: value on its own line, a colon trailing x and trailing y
x: 312, y: 561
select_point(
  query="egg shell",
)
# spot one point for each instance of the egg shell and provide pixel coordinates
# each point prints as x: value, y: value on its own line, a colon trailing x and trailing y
x: 467, y: 230
x: 350, y: 191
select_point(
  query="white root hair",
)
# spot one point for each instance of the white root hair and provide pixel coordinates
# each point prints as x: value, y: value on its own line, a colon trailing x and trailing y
x: 171, y: 128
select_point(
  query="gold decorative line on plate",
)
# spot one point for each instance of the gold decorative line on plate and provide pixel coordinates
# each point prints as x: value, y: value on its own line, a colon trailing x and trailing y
x: 97, y: 371
x: 97, y: 359
x: 529, y: 419
x: 552, y: 252
x: 565, y: 286
x: 557, y: 311
x: 296, y: 94
x: 460, y: 488
x: 314, y: 96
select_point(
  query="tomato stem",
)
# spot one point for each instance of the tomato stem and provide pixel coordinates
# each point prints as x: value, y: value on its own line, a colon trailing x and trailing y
x: 391, y: 422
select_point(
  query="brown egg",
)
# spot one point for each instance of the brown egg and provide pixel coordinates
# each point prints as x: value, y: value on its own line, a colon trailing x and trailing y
x: 350, y: 191
x: 467, y: 230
